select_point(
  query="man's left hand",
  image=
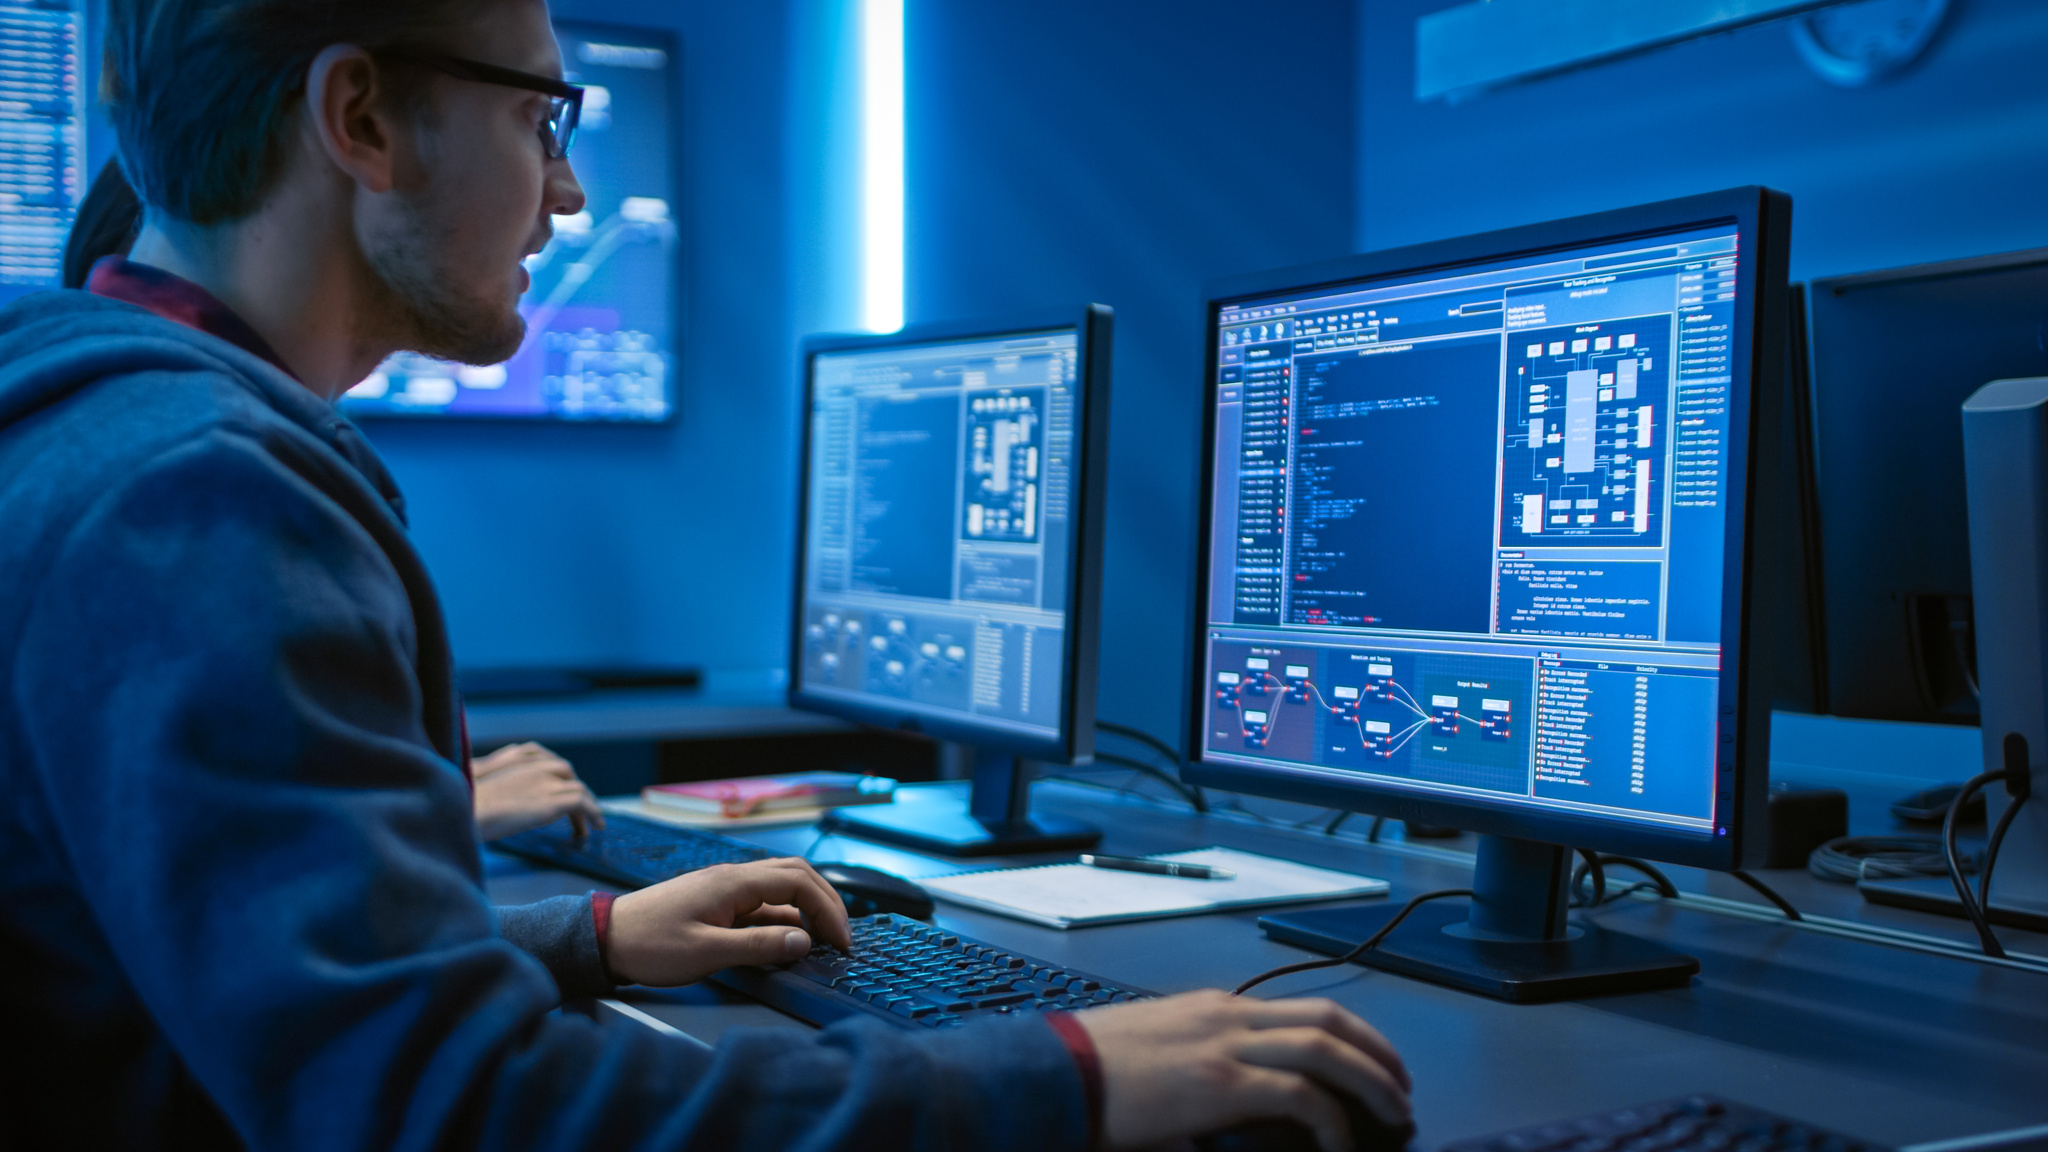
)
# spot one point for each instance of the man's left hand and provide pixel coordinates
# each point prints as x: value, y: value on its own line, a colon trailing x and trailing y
x: 525, y: 786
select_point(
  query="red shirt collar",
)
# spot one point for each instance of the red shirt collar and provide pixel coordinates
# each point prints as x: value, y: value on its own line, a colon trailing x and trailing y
x: 178, y: 299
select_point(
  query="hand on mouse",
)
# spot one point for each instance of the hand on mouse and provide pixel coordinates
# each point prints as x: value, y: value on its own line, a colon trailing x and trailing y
x: 1179, y: 1067
x: 682, y: 930
x: 524, y: 786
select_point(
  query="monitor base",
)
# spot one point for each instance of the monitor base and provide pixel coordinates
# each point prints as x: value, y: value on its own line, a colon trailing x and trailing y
x: 1591, y: 961
x: 951, y: 830
x: 1937, y: 894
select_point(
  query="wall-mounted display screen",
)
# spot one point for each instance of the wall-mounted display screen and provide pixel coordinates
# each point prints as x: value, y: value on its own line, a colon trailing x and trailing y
x: 601, y: 316
x: 42, y: 140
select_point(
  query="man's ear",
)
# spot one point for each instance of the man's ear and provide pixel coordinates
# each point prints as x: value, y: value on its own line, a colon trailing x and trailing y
x: 350, y: 117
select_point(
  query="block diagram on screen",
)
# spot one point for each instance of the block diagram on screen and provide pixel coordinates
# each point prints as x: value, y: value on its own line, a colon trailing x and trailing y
x: 896, y: 654
x: 1444, y: 718
x: 942, y: 661
x: 1005, y: 446
x: 1584, y: 457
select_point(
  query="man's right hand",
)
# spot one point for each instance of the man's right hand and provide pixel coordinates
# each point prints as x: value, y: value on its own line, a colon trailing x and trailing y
x: 1187, y: 1065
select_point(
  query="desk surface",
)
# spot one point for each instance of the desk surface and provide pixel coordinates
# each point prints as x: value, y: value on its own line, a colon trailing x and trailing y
x: 1892, y: 1045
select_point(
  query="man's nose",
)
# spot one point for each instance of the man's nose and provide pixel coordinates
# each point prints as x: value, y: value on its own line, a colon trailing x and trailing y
x: 564, y: 192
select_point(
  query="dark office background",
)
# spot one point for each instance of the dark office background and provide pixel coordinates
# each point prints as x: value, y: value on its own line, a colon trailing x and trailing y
x: 1062, y: 151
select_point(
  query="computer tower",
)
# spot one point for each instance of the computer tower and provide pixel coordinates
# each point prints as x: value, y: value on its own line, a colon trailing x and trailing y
x: 2005, y: 466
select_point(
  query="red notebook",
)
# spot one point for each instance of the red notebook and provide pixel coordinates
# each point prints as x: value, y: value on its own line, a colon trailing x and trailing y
x: 756, y: 795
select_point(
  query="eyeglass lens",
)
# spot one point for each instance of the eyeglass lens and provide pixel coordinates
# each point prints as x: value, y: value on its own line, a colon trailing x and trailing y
x: 559, y: 131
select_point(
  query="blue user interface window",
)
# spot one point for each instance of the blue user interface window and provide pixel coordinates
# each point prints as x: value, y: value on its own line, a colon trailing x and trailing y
x: 1468, y: 530
x: 42, y: 140
x: 601, y: 312
x: 939, y: 528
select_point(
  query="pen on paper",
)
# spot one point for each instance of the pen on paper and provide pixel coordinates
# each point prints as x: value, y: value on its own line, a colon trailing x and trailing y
x: 1158, y: 867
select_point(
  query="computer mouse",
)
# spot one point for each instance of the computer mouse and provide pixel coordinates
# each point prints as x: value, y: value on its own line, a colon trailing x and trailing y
x: 1369, y: 1133
x: 871, y: 891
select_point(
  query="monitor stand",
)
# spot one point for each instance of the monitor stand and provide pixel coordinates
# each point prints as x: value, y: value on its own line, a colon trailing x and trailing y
x: 1511, y: 941
x: 995, y: 821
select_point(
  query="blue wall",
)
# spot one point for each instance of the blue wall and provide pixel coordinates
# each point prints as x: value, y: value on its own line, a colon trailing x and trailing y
x: 567, y: 544
x: 1063, y: 151
x: 1948, y: 159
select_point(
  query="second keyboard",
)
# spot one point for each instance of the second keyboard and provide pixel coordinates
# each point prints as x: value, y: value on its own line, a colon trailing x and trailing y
x: 917, y: 976
x: 629, y: 851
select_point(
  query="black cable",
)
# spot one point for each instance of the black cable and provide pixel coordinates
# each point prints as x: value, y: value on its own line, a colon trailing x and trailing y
x: 1371, y: 942
x: 1991, y: 850
x: 1953, y: 858
x: 818, y: 843
x: 1631, y: 888
x: 1591, y: 866
x: 1142, y: 737
x: 1768, y: 893
x: 1157, y: 773
x: 1665, y: 887
x: 1379, y: 823
x: 1337, y: 822
x: 1847, y: 859
x: 1191, y: 792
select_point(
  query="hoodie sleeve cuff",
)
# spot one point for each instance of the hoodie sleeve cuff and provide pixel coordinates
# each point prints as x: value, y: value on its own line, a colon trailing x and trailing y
x: 562, y: 934
x: 601, y: 923
x: 1088, y: 1062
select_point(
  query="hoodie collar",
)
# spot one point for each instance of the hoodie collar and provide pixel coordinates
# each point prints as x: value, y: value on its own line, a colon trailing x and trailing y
x: 54, y: 342
x: 175, y: 298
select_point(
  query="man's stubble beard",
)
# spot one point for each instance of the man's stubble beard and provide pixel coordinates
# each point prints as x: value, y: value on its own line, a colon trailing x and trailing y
x: 416, y: 305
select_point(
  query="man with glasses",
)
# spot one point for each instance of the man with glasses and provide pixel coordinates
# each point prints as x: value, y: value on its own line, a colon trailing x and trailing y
x: 240, y: 892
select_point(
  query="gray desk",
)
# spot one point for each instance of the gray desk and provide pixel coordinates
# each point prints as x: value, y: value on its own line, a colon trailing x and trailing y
x: 735, y: 704
x: 1891, y: 1044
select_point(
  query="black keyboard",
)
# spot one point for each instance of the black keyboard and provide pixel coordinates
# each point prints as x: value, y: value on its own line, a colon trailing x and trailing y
x: 918, y: 976
x: 1694, y: 1124
x: 629, y: 851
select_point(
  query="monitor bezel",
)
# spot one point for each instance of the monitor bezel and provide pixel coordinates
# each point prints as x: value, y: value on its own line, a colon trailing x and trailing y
x: 1762, y: 218
x: 1075, y: 740
x: 670, y: 42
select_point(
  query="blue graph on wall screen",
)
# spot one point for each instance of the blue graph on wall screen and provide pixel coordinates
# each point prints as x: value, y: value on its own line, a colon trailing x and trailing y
x: 600, y: 316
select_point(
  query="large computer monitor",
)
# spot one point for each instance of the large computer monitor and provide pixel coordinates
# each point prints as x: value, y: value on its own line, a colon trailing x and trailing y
x: 949, y: 557
x: 1895, y: 354
x: 601, y: 316
x: 1477, y: 550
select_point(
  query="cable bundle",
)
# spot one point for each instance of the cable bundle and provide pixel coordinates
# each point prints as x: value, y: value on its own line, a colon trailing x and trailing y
x: 1847, y: 859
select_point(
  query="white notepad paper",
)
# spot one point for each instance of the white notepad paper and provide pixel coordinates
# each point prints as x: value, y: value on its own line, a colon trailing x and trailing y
x: 1076, y: 895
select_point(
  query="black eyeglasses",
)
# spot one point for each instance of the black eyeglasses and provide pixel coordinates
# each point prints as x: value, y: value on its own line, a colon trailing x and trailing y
x: 565, y: 106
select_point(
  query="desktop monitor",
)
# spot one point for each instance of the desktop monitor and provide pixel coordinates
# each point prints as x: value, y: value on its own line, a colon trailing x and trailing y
x: 1478, y: 550
x: 1895, y: 355
x: 949, y: 557
x: 601, y: 314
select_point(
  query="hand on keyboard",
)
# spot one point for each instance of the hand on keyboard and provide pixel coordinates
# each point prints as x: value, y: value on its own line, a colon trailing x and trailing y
x: 526, y: 786
x: 1185, y: 1065
x: 682, y: 930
